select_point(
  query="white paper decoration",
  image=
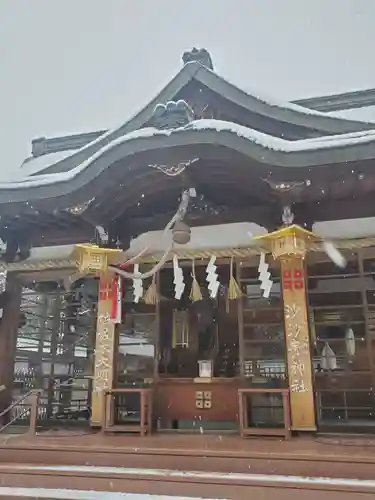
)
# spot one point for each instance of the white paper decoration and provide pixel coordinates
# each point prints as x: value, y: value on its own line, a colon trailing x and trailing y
x: 212, y: 278
x: 350, y: 342
x: 328, y: 358
x: 264, y: 276
x: 137, y: 285
x: 178, y: 279
x: 118, y: 308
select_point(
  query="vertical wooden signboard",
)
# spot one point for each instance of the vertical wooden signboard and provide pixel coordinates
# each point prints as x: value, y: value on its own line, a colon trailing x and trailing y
x: 297, y: 344
x: 104, y: 348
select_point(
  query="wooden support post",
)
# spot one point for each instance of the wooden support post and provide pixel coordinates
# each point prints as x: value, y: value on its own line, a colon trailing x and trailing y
x: 240, y: 323
x: 34, y: 397
x: 105, y: 344
x: 8, y: 338
x: 297, y: 343
x: 157, y: 332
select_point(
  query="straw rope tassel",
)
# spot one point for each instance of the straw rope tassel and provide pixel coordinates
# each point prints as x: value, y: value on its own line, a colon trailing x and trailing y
x: 195, y: 292
x: 151, y: 296
x: 234, y: 290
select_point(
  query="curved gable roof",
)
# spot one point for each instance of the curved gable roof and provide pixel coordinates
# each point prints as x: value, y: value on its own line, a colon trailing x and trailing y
x: 265, y: 149
x: 283, y: 112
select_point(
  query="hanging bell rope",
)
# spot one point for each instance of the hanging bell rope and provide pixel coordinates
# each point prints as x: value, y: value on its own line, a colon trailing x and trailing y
x: 234, y: 290
x: 195, y: 292
x: 179, y: 215
x: 142, y: 276
x: 151, y: 296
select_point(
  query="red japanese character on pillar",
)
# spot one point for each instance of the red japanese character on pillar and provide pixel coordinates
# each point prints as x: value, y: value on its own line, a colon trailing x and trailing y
x: 106, y: 288
x: 293, y: 279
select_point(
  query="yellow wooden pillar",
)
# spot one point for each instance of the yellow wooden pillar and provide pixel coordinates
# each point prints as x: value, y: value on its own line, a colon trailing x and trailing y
x: 94, y: 261
x: 105, y: 348
x: 289, y: 245
x: 302, y: 401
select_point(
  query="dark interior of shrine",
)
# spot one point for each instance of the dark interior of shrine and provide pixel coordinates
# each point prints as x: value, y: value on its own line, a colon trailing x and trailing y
x: 163, y: 343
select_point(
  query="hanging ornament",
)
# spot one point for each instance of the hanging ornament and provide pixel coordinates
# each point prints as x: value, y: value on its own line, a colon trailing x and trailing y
x: 178, y: 216
x: 264, y: 276
x: 178, y: 279
x: 312, y: 327
x: 350, y: 343
x: 180, y: 332
x: 102, y: 235
x: 151, y: 296
x: 212, y: 278
x: 234, y: 290
x: 336, y: 256
x: 116, y: 313
x: 137, y: 285
x: 328, y: 358
x: 195, y: 292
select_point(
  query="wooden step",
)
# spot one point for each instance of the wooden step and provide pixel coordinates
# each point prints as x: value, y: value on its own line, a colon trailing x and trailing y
x: 138, y: 453
x: 52, y: 482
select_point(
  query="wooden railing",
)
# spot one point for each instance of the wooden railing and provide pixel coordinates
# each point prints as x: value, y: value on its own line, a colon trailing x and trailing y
x: 33, y: 395
x: 246, y: 430
x: 145, y: 419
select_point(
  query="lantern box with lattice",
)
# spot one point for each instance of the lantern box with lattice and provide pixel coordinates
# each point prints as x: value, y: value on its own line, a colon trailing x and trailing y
x: 288, y: 245
x: 293, y: 241
x: 92, y: 259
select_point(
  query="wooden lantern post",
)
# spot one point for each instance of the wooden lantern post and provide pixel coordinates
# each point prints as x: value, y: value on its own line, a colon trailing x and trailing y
x: 289, y: 245
x: 93, y: 260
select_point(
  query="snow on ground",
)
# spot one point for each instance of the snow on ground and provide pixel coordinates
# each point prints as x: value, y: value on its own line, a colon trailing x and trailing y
x: 251, y: 479
x: 51, y: 494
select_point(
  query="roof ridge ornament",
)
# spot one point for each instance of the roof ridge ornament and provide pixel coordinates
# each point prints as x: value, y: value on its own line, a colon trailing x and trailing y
x: 174, y: 169
x: 172, y: 115
x: 198, y: 55
x: 80, y: 208
x: 287, y: 192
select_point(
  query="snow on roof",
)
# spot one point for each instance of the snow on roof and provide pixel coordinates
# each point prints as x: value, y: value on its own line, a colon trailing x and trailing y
x: 46, y: 179
x: 35, y: 164
x: 254, y: 136
x: 271, y: 101
x: 284, y: 145
x: 365, y: 114
x: 207, y: 76
x: 193, y: 70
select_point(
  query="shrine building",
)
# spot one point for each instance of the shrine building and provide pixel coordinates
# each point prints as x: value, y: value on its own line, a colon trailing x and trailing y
x: 207, y: 267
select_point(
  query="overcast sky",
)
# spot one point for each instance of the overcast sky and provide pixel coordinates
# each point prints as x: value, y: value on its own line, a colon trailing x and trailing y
x: 78, y: 65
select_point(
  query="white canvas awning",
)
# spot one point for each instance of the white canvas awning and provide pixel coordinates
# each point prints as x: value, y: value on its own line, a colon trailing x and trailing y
x: 217, y: 237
